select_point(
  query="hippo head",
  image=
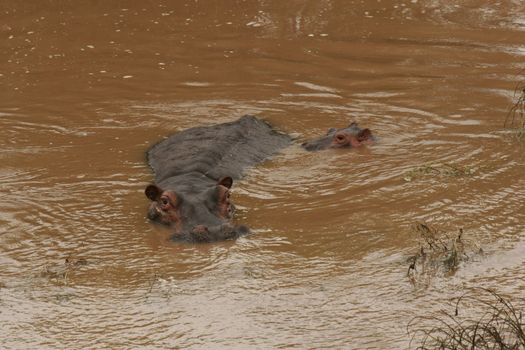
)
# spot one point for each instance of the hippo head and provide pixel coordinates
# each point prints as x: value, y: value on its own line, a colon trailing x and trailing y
x: 352, y: 136
x: 196, y: 213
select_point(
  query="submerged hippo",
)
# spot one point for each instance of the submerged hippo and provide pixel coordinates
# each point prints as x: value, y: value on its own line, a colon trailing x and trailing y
x: 352, y: 136
x: 194, y: 171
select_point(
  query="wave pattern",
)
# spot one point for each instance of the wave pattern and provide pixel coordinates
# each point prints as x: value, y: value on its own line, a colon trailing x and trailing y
x: 325, y: 267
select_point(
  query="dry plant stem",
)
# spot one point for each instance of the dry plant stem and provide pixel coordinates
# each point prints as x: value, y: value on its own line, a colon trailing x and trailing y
x: 500, y: 325
x: 516, y: 116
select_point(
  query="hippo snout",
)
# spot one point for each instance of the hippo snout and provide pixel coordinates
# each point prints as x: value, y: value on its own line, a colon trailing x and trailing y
x: 203, y: 233
x: 153, y: 213
x: 200, y: 230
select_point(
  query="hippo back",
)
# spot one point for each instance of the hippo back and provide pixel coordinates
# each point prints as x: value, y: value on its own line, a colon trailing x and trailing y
x: 217, y: 150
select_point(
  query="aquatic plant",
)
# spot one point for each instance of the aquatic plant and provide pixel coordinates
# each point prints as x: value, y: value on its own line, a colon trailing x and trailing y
x: 440, y: 253
x: 60, y: 272
x: 424, y: 170
x: 445, y: 169
x: 456, y: 170
x: 479, y: 319
x: 166, y: 286
x: 516, y: 116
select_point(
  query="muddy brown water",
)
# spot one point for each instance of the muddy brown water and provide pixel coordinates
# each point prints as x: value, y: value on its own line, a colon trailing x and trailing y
x: 87, y: 87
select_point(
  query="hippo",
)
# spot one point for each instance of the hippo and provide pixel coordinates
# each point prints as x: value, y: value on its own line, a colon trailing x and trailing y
x: 352, y: 136
x: 194, y: 172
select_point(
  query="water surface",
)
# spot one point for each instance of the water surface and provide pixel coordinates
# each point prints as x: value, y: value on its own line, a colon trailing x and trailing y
x: 87, y: 87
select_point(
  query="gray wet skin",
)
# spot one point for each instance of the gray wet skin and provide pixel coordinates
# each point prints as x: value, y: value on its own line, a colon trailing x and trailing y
x: 351, y: 136
x: 195, y: 169
x: 194, y: 172
x: 196, y: 208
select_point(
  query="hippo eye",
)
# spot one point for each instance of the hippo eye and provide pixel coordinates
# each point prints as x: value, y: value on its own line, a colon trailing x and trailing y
x: 339, y: 137
x: 164, y: 201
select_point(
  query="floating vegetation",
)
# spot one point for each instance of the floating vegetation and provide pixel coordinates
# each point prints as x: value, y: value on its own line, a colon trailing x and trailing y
x: 166, y: 287
x: 485, y: 320
x: 421, y: 171
x: 442, y: 170
x: 456, y: 170
x: 439, y: 253
x: 516, y: 117
x: 60, y: 273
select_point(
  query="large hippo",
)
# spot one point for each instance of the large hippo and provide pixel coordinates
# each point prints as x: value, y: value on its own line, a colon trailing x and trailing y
x: 194, y: 172
x: 351, y: 136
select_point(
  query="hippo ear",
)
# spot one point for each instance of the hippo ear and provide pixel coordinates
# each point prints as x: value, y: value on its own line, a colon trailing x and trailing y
x: 153, y: 192
x: 330, y: 131
x: 226, y: 182
x: 364, y: 135
x: 353, y: 125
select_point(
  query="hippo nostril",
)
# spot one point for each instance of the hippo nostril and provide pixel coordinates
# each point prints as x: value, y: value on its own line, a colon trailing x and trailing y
x: 200, y: 229
x: 153, y: 213
x: 200, y: 233
x: 340, y: 138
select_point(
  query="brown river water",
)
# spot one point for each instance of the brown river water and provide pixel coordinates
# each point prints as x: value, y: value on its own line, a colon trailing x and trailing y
x: 88, y: 86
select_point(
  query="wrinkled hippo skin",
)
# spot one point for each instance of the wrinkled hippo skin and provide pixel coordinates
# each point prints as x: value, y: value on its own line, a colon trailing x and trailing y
x: 352, y: 136
x: 194, y: 173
